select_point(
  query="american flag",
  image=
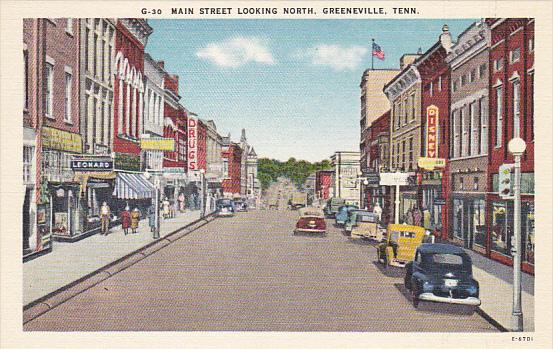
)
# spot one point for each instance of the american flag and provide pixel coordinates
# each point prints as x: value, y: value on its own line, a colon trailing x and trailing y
x: 377, y: 51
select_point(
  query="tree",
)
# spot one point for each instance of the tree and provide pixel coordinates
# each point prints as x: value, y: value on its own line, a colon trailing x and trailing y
x: 269, y: 170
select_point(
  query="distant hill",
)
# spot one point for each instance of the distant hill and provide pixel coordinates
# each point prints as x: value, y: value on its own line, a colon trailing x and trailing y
x: 268, y: 170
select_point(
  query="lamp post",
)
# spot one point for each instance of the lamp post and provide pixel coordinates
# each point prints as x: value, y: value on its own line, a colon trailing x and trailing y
x: 517, y: 146
x: 202, y: 183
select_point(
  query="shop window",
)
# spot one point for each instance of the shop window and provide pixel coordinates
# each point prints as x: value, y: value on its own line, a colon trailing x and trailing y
x: 458, y: 215
x: 528, y: 231
x: 28, y: 156
x: 478, y: 225
x: 501, y: 228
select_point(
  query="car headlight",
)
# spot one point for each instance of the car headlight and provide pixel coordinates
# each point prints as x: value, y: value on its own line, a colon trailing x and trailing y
x: 472, y: 289
x: 427, y: 287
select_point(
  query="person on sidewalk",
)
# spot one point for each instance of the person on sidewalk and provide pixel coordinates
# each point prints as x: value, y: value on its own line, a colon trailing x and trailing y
x: 165, y: 208
x: 152, y: 218
x: 105, y: 213
x: 135, y: 218
x: 126, y: 220
x: 181, y: 202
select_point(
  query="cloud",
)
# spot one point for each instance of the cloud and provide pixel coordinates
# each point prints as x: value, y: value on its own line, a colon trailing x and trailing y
x: 236, y: 52
x: 337, y: 57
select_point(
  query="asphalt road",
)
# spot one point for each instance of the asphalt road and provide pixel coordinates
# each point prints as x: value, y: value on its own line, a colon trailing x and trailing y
x: 250, y: 273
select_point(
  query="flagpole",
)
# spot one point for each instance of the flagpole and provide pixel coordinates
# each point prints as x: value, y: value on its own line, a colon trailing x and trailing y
x: 372, y: 55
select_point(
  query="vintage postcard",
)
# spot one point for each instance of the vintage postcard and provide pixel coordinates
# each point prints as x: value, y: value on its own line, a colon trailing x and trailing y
x: 279, y: 174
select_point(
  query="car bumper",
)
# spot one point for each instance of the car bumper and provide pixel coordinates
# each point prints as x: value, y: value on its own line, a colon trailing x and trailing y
x: 225, y: 214
x: 433, y: 298
x: 306, y: 230
x: 398, y: 263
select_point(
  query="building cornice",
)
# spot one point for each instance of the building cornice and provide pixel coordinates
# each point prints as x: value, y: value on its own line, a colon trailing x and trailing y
x: 403, y: 82
x: 471, y: 42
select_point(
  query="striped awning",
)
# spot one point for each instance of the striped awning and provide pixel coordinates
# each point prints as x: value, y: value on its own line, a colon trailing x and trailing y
x: 132, y: 186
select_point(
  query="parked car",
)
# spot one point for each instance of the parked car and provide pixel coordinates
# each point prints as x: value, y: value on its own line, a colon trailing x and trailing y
x: 399, y: 246
x: 225, y: 207
x: 240, y: 205
x: 311, y: 220
x: 343, y: 214
x: 332, y: 206
x: 362, y: 224
x: 441, y: 273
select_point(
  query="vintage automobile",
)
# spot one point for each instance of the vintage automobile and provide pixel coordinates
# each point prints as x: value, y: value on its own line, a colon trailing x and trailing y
x: 311, y: 220
x: 332, y: 206
x: 240, y: 205
x: 400, y: 244
x: 343, y: 214
x: 360, y: 222
x: 441, y: 273
x: 225, y: 207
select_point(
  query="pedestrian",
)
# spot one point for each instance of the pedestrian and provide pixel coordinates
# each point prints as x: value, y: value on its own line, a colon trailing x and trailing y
x: 126, y: 220
x: 135, y: 218
x: 378, y: 211
x: 165, y: 208
x: 181, y: 202
x: 417, y: 216
x: 105, y: 213
x: 152, y: 218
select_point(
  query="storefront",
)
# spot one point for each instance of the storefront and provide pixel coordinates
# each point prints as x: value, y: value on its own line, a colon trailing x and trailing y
x: 65, y: 204
x: 95, y: 189
x: 431, y: 192
x: 133, y: 190
x: 469, y: 221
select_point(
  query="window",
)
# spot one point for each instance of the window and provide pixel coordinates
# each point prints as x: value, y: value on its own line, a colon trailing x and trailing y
x: 514, y: 55
x: 516, y: 108
x: 431, y: 87
x: 482, y: 70
x: 478, y: 218
x: 463, y: 80
x: 472, y: 76
x: 464, y: 132
x: 439, y: 83
x: 456, y: 134
x: 531, y: 104
x: 67, y: 100
x: 411, y: 150
x: 26, y: 80
x: 414, y: 107
x: 475, y: 130
x: 403, y: 153
x: 461, y: 183
x: 484, y: 125
x: 475, y: 183
x: 501, y: 232
x: 28, y: 155
x: 454, y: 85
x: 498, y: 116
x: 531, y: 45
x: 95, y: 56
x: 458, y: 218
x: 87, y: 49
x: 69, y: 26
x: 49, y: 91
x: 498, y: 64
x: 404, y: 111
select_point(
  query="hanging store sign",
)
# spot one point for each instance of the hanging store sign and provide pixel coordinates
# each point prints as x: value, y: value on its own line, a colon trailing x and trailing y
x: 127, y: 162
x: 430, y: 163
x: 157, y: 143
x: 92, y: 164
x: 394, y: 178
x: 192, y: 144
x: 53, y: 138
x: 432, y: 122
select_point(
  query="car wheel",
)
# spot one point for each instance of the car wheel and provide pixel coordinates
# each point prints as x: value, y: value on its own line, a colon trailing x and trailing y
x: 414, y: 297
x: 385, y: 261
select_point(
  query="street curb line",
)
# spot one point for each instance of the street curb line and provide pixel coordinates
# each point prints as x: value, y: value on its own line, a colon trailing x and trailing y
x: 491, y: 320
x: 51, y: 300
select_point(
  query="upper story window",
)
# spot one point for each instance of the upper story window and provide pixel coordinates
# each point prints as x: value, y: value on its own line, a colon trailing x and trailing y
x: 498, y: 64
x: 431, y: 87
x: 413, y: 107
x: 67, y: 99
x: 454, y: 86
x: 530, y: 45
x: 482, y: 70
x: 69, y: 26
x: 472, y: 75
x: 498, y: 116
x: 514, y: 55
x: 26, y: 80
x: 49, y: 91
x: 463, y: 80
x: 439, y: 83
x: 516, y: 108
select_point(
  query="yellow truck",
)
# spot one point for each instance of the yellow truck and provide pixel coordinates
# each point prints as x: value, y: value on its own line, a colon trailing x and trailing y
x: 400, y: 244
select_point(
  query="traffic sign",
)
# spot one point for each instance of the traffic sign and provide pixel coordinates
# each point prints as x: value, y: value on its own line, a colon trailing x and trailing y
x: 506, y: 181
x: 430, y: 163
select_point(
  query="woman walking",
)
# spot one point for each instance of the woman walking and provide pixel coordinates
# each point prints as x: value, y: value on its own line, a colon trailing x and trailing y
x: 126, y: 220
x: 135, y: 218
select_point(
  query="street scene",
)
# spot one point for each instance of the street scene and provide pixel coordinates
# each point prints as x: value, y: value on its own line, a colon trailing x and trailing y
x: 211, y: 175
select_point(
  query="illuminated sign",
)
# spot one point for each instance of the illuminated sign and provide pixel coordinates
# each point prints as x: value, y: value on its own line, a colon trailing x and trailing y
x: 157, y: 143
x: 61, y: 140
x: 91, y: 164
x: 432, y: 122
x: 192, y: 145
x: 430, y: 163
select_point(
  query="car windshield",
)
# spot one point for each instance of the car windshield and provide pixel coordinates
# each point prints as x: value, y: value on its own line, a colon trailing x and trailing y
x: 366, y: 218
x: 224, y: 202
x: 446, y: 261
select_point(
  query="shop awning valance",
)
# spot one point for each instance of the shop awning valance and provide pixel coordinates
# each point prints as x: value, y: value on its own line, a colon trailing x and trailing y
x: 130, y: 186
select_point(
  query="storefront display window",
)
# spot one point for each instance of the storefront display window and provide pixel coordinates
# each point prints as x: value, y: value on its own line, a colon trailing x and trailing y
x: 458, y: 218
x: 479, y: 222
x: 501, y: 228
x: 528, y: 232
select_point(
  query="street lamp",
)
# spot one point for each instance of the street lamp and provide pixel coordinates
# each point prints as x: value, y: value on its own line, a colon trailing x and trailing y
x: 517, y: 146
x: 156, y: 200
x: 202, y: 183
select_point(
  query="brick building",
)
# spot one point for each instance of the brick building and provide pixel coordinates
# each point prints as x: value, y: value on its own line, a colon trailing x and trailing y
x: 232, y: 166
x: 323, y: 184
x: 511, y: 92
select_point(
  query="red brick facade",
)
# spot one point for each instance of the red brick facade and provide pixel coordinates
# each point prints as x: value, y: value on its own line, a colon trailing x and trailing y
x: 234, y: 155
x: 323, y: 182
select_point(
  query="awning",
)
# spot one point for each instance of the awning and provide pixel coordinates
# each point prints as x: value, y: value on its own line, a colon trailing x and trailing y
x: 132, y: 186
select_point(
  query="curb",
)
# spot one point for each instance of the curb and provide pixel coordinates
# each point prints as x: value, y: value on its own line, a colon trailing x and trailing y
x: 48, y: 302
x: 491, y: 320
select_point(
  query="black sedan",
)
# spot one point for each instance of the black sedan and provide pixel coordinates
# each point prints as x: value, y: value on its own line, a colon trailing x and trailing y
x: 441, y: 273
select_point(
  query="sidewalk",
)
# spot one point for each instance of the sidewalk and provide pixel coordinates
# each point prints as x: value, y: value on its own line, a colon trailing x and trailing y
x: 496, y: 291
x: 70, y: 261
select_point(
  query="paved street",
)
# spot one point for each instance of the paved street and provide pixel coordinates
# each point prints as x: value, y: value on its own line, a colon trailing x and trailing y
x: 250, y: 272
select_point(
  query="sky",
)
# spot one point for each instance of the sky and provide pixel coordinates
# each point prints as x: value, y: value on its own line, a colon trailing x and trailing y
x: 292, y: 84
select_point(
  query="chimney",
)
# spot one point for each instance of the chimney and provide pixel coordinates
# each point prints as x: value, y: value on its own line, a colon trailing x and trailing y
x: 161, y: 64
